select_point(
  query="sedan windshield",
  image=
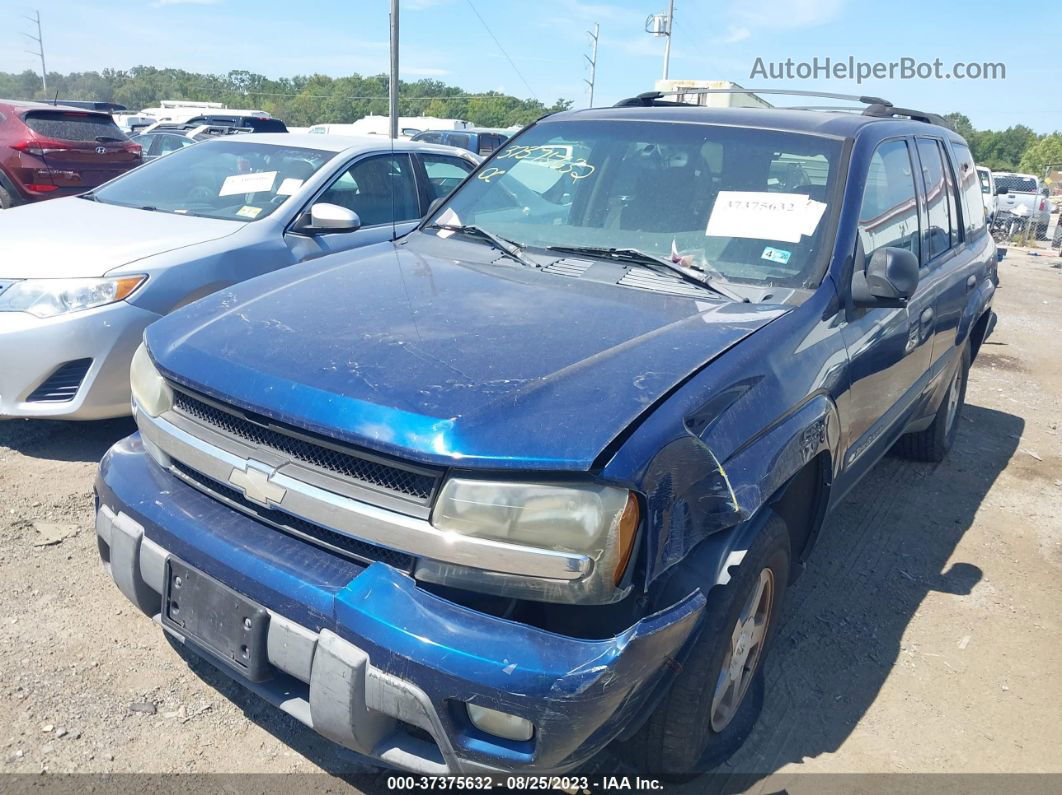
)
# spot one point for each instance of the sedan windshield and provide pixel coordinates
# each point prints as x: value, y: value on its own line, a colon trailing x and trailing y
x: 217, y: 179
x: 745, y: 205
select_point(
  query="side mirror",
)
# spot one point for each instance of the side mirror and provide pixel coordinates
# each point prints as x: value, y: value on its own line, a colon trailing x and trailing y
x: 889, y: 280
x: 325, y: 217
x: 1001, y: 189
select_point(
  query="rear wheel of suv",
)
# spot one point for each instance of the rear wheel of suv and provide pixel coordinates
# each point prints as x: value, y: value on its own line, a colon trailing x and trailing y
x: 933, y: 443
x: 715, y: 699
x: 6, y: 202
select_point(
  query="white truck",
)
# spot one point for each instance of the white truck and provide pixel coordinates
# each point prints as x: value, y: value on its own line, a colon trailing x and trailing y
x: 1023, y: 195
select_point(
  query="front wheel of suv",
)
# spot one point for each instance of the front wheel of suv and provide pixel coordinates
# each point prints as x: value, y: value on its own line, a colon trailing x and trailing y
x: 717, y: 696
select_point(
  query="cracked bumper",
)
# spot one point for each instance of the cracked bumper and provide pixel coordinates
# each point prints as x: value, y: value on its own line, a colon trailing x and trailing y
x: 370, y: 660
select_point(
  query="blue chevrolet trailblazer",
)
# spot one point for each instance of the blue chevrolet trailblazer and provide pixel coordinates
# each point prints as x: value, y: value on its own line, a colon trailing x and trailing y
x: 533, y: 478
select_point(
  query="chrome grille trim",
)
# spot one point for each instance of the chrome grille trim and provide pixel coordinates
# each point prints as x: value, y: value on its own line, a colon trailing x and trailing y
x: 360, y: 520
x: 363, y: 476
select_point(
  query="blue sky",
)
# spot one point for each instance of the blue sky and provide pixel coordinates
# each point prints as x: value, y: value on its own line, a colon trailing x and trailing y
x: 713, y: 39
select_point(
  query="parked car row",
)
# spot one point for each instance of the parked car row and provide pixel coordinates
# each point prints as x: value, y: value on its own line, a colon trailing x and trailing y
x: 516, y: 460
x: 1011, y: 198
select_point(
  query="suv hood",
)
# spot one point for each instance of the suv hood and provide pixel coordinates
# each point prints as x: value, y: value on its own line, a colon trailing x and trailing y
x: 73, y: 237
x: 447, y: 361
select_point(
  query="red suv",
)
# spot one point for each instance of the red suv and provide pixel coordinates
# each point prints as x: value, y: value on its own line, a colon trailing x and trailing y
x: 48, y: 151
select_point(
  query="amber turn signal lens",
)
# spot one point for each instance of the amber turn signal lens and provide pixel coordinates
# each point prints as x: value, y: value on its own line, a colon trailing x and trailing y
x: 124, y: 287
x: 628, y: 531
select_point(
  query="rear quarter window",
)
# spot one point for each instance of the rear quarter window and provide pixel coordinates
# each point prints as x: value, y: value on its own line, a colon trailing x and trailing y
x: 72, y: 126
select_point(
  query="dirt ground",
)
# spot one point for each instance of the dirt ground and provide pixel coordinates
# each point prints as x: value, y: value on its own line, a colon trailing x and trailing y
x: 924, y: 635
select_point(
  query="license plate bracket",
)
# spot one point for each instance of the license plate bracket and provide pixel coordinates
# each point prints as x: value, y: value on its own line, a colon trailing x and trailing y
x: 231, y: 627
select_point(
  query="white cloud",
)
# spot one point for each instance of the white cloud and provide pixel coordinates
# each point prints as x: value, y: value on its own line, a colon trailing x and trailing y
x: 419, y: 5
x: 789, y: 13
x: 734, y: 34
x: 164, y: 3
x: 423, y: 71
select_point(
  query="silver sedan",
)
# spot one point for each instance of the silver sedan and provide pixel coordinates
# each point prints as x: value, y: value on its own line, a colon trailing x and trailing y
x: 81, y: 277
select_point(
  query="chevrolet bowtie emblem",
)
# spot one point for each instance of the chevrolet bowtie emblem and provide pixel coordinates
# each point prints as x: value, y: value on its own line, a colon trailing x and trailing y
x: 254, y: 481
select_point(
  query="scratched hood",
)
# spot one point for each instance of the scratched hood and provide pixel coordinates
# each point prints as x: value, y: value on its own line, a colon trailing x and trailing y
x: 447, y: 360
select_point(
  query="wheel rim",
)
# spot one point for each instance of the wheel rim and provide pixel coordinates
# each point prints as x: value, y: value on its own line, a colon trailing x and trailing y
x: 953, y: 398
x: 743, y: 656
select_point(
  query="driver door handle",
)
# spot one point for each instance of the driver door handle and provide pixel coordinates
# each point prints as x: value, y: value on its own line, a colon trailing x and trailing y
x: 971, y: 283
x: 927, y: 316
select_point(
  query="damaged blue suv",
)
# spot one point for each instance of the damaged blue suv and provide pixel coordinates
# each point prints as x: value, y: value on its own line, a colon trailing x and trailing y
x: 533, y: 479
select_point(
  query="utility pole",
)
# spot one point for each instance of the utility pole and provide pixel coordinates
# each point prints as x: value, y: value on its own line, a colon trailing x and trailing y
x: 592, y: 60
x: 660, y: 25
x: 39, y: 38
x: 667, y: 42
x: 393, y: 88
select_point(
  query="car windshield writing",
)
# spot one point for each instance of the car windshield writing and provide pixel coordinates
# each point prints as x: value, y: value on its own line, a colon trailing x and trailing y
x: 748, y: 204
x: 218, y: 179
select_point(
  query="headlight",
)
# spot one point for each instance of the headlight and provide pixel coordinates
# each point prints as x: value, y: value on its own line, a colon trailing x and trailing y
x: 51, y: 297
x: 593, y: 520
x: 150, y: 390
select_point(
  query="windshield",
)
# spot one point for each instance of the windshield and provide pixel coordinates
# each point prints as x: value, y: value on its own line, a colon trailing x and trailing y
x: 1012, y: 182
x: 748, y: 205
x: 217, y: 179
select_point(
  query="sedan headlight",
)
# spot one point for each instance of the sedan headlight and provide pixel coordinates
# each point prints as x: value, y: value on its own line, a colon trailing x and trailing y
x: 150, y: 390
x: 51, y: 297
x: 589, y: 519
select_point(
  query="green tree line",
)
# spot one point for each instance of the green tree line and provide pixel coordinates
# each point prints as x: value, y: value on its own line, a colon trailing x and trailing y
x: 300, y: 101
x: 1016, y: 148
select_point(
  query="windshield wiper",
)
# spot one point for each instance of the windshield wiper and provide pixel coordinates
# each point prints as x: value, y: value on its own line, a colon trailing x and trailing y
x: 507, y: 247
x: 639, y: 257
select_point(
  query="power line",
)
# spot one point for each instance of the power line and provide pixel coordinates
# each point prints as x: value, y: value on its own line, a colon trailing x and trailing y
x: 512, y: 63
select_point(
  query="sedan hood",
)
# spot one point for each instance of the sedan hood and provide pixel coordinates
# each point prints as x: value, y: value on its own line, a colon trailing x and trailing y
x: 445, y: 361
x: 73, y: 237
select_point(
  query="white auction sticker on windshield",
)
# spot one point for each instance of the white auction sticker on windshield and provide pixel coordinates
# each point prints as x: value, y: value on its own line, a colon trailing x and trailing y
x: 289, y: 186
x: 248, y: 183
x: 764, y: 216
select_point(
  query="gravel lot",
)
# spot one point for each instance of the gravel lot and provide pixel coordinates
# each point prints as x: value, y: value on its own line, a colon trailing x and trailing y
x: 923, y: 637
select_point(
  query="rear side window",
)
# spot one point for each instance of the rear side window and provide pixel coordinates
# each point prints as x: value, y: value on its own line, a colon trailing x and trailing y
x: 888, y: 215
x: 444, y: 173
x: 73, y: 126
x: 938, y: 233
x: 1013, y: 182
x: 969, y: 179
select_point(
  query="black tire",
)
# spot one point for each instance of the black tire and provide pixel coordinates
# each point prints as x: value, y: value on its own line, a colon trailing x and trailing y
x: 679, y: 741
x: 6, y: 202
x: 1041, y: 231
x: 934, y: 442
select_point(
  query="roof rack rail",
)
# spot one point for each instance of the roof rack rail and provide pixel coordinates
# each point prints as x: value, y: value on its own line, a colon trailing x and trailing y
x: 875, y: 106
x: 652, y: 98
x: 892, y: 112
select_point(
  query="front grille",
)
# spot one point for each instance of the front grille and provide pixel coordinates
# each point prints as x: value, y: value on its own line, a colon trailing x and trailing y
x: 361, y: 551
x: 408, y: 484
x: 62, y: 385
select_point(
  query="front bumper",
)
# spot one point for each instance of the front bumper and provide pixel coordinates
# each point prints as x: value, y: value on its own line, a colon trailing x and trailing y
x: 370, y: 660
x: 32, y: 349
